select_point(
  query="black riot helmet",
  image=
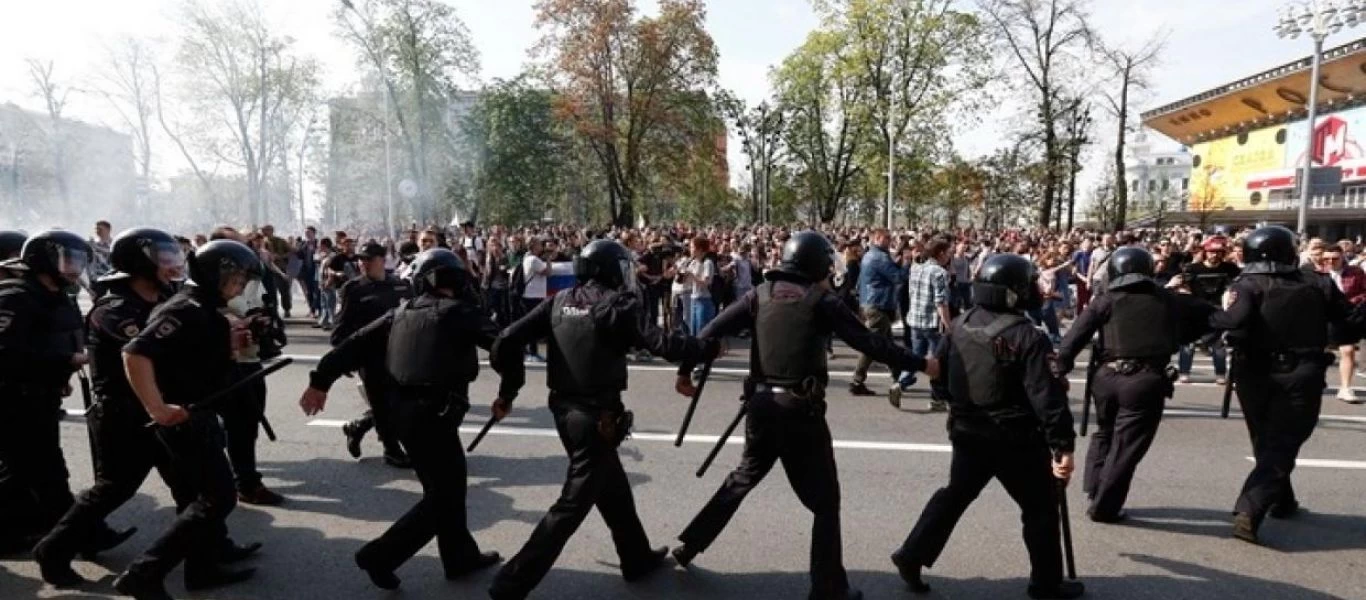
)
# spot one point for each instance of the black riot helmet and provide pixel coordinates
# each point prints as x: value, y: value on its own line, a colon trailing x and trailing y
x: 1270, y: 250
x: 608, y: 263
x: 215, y: 262
x: 1129, y: 265
x: 58, y: 254
x: 11, y: 244
x: 147, y: 253
x: 439, y: 269
x: 808, y: 255
x: 1007, y: 282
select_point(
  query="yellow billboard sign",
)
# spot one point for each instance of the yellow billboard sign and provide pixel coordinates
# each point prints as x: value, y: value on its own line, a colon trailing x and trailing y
x: 1222, y: 169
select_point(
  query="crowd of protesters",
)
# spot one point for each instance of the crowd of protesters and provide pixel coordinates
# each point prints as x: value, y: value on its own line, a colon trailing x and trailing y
x: 912, y: 279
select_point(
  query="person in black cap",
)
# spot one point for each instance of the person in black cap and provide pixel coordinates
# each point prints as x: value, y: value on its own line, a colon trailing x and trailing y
x: 589, y: 328
x: 1142, y: 325
x: 791, y: 314
x: 1008, y: 420
x: 41, y: 346
x: 1279, y: 318
x: 363, y: 299
x: 182, y: 357
x: 429, y: 347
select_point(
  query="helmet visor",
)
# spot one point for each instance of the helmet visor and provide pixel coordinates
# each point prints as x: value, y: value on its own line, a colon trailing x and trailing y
x: 628, y: 274
x: 169, y: 259
x: 70, y: 262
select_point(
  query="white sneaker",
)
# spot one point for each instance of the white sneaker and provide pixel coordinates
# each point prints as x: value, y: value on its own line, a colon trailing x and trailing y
x: 1349, y: 396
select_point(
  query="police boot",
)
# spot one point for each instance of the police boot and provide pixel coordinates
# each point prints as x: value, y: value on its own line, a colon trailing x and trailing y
x: 480, y: 562
x: 383, y: 579
x: 355, y: 432
x: 1245, y: 528
x: 1062, y: 590
x: 910, y: 573
x: 231, y: 552
x: 140, y: 587
x: 54, y: 570
x: 651, y: 562
x: 206, y: 577
x: 394, y: 456
x: 1284, y: 510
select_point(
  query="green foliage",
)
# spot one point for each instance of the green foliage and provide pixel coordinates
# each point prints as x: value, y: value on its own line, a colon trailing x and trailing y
x: 521, y: 152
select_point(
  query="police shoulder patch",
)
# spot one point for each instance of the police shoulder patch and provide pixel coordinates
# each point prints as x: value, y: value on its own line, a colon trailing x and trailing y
x: 6, y: 319
x: 166, y: 326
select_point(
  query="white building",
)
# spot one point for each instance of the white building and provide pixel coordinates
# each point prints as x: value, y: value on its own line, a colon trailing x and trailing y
x: 1156, y: 176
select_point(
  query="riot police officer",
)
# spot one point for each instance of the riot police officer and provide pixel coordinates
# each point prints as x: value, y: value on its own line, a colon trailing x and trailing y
x: 429, y: 347
x: 11, y: 244
x: 1008, y: 419
x: 791, y: 314
x: 590, y: 329
x: 363, y: 299
x: 1142, y: 325
x: 1278, y: 316
x: 182, y: 357
x: 40, y: 348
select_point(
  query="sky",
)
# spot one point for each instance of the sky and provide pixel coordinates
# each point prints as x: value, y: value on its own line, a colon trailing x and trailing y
x: 1209, y: 42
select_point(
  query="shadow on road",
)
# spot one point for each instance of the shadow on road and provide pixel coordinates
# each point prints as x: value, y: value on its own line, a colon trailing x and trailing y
x: 1306, y: 532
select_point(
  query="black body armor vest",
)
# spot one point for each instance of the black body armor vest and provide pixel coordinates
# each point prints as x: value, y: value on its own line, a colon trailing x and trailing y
x: 788, y: 347
x: 421, y: 354
x: 582, y: 362
x: 1141, y: 326
x: 983, y: 379
x: 58, y: 328
x: 1294, y: 315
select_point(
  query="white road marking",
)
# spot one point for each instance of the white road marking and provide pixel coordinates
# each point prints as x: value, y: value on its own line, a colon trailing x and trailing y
x: 1233, y: 414
x: 1359, y: 465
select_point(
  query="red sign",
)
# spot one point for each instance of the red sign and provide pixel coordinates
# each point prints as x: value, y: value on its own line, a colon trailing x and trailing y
x: 1330, y: 141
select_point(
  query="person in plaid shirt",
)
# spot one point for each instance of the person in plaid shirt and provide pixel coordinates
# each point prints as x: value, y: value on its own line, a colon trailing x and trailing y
x: 927, y: 316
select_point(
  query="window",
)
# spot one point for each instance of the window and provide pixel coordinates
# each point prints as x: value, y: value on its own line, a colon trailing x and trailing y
x: 1185, y: 184
x: 1166, y: 183
x: 1152, y: 185
x: 1133, y: 185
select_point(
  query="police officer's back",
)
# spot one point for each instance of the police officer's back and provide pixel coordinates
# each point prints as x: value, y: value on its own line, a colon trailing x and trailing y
x: 1278, y: 316
x: 1140, y: 326
x: 429, y: 345
x: 590, y: 329
x: 1008, y: 419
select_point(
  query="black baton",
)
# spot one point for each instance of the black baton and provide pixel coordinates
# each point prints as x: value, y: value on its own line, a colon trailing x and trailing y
x: 692, y: 406
x: 1066, y: 522
x: 1092, y: 366
x: 265, y: 426
x: 1228, y: 385
x: 482, y: 432
x: 217, y: 397
x: 721, y: 443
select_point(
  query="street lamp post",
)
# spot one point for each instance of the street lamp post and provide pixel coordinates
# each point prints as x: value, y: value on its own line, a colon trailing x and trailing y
x: 1319, y: 19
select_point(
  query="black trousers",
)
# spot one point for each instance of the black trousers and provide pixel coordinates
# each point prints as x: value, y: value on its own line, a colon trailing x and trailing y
x: 242, y: 423
x: 802, y: 442
x: 429, y: 429
x: 1128, y: 412
x: 124, y: 453
x: 34, y: 491
x: 1026, y: 473
x: 379, y: 395
x: 595, y: 479
x: 196, y: 448
x: 1281, y: 410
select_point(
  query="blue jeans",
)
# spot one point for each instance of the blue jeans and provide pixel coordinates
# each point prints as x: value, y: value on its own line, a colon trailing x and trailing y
x: 328, y: 300
x: 702, y: 311
x: 922, y: 343
x: 1186, y: 356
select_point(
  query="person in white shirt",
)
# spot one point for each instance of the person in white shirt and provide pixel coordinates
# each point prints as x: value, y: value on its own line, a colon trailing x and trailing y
x: 701, y: 271
x: 681, y: 290
x: 535, y: 271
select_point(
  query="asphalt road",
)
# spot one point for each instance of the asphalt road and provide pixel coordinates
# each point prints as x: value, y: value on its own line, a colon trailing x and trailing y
x: 1176, y: 544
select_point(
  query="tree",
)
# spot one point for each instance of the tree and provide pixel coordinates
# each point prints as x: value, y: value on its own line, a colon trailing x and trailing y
x: 820, y: 93
x: 244, y: 79
x: 130, y: 87
x: 54, y: 97
x: 760, y: 130
x: 1130, y: 69
x: 422, y: 52
x: 917, y: 59
x: 521, y: 152
x: 1040, y: 36
x: 624, y: 82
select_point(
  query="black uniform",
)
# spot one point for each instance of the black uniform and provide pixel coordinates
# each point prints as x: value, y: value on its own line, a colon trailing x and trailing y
x: 1280, y: 322
x: 590, y: 329
x: 1007, y: 412
x: 1142, y: 325
x: 362, y: 301
x: 791, y: 320
x: 188, y: 341
x: 429, y: 344
x: 124, y: 450
x: 40, y: 331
